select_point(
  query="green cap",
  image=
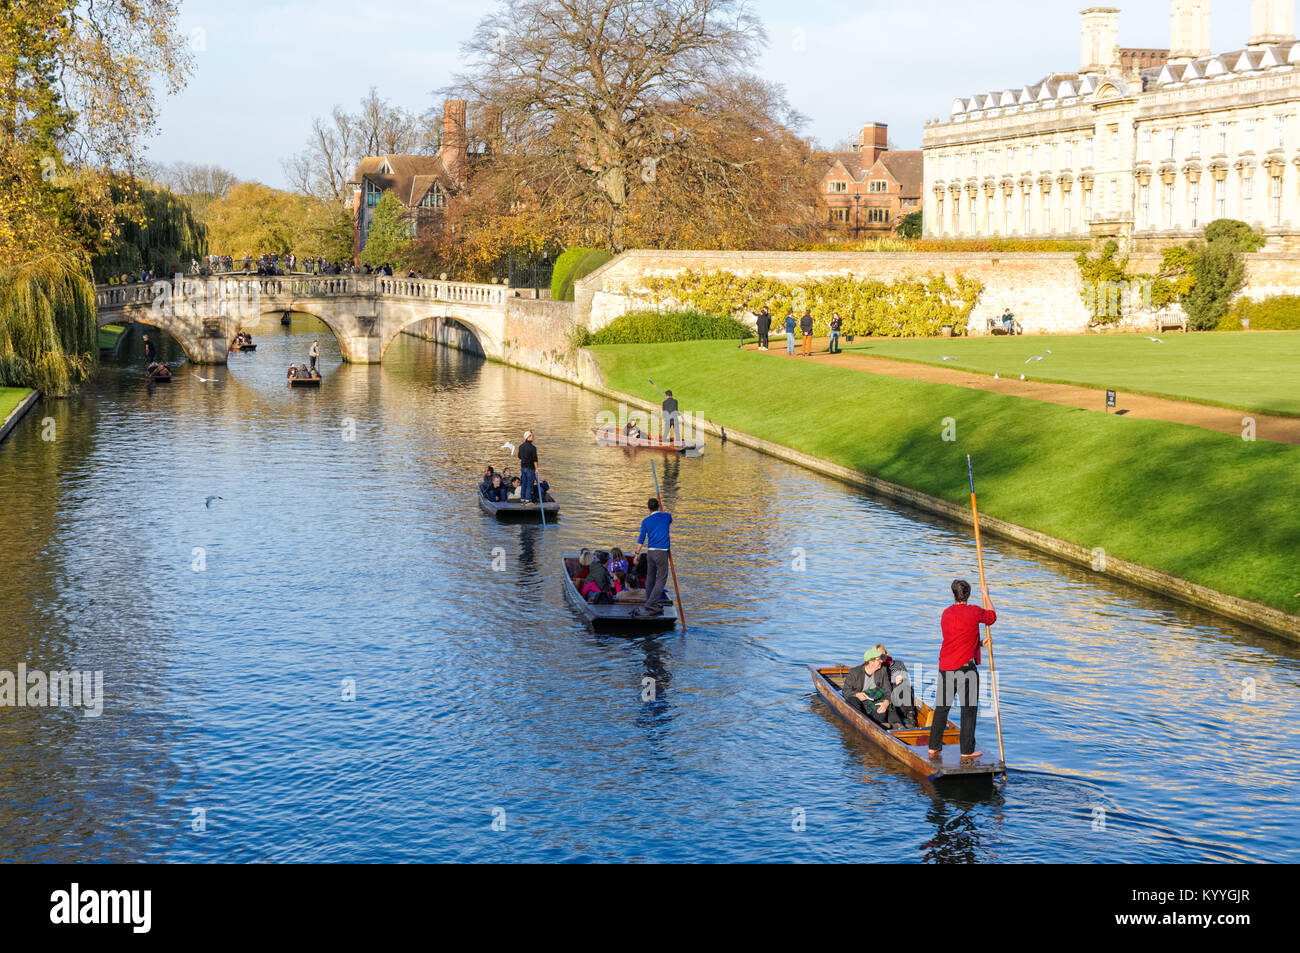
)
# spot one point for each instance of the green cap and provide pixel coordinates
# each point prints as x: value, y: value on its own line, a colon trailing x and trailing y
x: 874, y: 653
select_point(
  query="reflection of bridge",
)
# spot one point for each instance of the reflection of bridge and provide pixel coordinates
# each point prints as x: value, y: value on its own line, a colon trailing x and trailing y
x: 365, y: 313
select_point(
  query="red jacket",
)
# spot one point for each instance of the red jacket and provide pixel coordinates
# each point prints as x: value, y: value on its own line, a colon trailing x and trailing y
x: 961, y: 635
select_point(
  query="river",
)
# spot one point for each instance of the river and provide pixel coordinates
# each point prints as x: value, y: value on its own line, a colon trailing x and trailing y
x: 342, y: 659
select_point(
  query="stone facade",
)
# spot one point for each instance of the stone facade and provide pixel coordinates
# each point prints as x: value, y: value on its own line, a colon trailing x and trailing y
x: 1125, y: 148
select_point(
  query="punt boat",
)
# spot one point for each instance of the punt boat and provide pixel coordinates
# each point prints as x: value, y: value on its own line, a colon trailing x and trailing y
x: 611, y: 437
x: 615, y: 615
x: 519, y: 512
x: 304, y: 381
x: 908, y: 745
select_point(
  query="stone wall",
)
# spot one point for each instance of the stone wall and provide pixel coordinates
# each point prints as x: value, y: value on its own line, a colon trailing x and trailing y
x: 1043, y: 290
x: 447, y: 332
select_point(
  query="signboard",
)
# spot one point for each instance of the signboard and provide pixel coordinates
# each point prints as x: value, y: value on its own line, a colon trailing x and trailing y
x: 1110, y: 400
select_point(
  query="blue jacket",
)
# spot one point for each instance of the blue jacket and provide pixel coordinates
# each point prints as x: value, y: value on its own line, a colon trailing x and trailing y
x: 654, y: 530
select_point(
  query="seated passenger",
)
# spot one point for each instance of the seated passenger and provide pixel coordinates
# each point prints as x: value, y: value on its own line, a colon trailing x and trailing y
x: 633, y: 431
x: 485, y: 483
x: 893, y: 678
x: 596, y: 586
x: 617, y: 561
x: 584, y: 566
x: 860, y: 691
x: 516, y: 491
x: 302, y: 372
x: 315, y: 373
x: 496, y: 492
x: 292, y: 373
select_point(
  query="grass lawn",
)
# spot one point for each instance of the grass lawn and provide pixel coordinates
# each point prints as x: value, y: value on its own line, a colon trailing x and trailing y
x: 1254, y: 371
x: 109, y: 334
x: 1207, y: 507
x: 11, y: 397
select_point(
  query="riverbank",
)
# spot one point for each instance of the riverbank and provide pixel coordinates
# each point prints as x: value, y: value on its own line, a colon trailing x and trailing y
x: 14, y: 404
x: 1200, y: 516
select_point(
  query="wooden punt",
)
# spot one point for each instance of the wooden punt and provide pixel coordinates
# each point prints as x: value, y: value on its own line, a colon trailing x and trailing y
x: 248, y: 347
x: 908, y: 745
x: 304, y: 381
x: 160, y: 378
x: 519, y: 512
x: 610, y: 437
x: 617, y: 615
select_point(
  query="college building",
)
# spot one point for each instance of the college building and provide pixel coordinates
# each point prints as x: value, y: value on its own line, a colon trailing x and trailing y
x: 867, y: 190
x: 1137, y: 143
x: 423, y: 184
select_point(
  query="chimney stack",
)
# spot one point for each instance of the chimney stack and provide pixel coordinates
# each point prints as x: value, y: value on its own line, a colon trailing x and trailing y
x: 1272, y: 22
x: 1100, y: 41
x: 873, y: 141
x: 1190, y: 34
x: 455, y: 142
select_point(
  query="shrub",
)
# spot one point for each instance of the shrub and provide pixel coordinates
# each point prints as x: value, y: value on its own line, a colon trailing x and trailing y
x: 665, y: 327
x: 908, y: 307
x: 909, y: 226
x: 573, y: 265
x: 1218, y: 271
x: 1281, y: 313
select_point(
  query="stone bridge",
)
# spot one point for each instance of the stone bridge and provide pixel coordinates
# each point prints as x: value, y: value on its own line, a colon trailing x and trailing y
x: 364, y: 312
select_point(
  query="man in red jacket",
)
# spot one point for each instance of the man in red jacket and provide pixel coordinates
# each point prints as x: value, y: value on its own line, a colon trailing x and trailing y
x: 959, y: 677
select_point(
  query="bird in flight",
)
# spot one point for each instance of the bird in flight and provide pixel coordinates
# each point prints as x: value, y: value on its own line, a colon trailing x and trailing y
x: 208, y: 502
x: 209, y: 380
x: 947, y: 358
x: 509, y: 446
x: 1157, y: 340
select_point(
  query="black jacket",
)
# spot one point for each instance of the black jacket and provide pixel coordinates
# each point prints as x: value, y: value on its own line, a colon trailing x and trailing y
x: 806, y: 324
x: 528, y: 455
x: 764, y: 321
x: 859, y: 681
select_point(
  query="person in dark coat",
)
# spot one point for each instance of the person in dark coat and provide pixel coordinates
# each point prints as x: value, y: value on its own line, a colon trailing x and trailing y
x: 763, y: 321
x: 672, y: 426
x: 150, y: 352
x: 806, y: 326
x: 861, y: 691
x: 836, y: 324
x: 789, y: 333
x: 893, y: 678
x: 527, y: 454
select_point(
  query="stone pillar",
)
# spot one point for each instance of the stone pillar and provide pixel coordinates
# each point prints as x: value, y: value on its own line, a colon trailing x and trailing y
x: 1100, y: 41
x: 1190, y: 30
x: 1272, y: 22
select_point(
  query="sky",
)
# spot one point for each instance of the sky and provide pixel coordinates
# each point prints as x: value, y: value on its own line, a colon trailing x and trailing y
x: 263, y: 70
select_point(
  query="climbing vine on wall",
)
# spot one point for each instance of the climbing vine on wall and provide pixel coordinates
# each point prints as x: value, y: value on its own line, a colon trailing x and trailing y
x: 907, y: 307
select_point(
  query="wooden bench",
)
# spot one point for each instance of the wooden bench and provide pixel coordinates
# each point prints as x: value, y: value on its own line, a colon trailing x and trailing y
x: 997, y: 327
x: 1168, y: 321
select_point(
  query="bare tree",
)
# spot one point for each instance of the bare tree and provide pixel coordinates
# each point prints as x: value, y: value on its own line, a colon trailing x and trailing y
x: 325, y: 166
x: 606, y: 88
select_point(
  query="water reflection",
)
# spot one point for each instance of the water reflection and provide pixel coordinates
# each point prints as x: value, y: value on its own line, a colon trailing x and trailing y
x: 347, y: 547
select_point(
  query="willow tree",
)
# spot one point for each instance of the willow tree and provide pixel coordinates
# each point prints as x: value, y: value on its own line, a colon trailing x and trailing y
x: 627, y: 108
x: 78, y: 86
x: 48, y: 335
x: 169, y: 233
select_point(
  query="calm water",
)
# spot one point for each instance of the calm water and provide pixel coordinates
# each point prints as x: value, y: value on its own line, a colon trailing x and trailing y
x: 480, y: 697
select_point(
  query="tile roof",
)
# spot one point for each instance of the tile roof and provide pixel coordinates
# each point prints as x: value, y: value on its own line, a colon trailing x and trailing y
x: 410, y: 177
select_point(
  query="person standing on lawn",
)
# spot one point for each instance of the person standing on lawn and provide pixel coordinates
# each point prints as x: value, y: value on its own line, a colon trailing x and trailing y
x: 835, y: 334
x: 959, y: 678
x: 763, y: 321
x: 806, y: 326
x: 789, y: 333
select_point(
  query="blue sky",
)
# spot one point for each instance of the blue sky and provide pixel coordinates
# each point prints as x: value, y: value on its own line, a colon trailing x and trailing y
x: 264, y: 69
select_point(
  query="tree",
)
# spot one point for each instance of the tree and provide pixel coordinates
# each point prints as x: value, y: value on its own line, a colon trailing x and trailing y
x: 1217, y: 271
x: 254, y: 219
x: 169, y: 234
x: 200, y: 185
x: 48, y: 335
x: 389, y: 240
x: 339, y: 141
x: 910, y: 225
x: 624, y: 111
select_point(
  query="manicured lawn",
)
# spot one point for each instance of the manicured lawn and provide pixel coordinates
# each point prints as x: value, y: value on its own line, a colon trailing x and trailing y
x: 11, y: 397
x: 1255, y: 371
x: 1207, y: 507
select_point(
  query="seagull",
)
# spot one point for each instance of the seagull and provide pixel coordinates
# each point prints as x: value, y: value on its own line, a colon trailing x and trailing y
x: 1157, y: 340
x: 208, y: 502
x: 1040, y: 357
x: 209, y: 380
x: 997, y: 377
x: 1022, y: 376
x: 509, y: 446
x: 947, y: 358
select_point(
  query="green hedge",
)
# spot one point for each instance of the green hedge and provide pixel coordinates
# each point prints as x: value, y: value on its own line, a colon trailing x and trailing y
x: 1272, y: 314
x: 655, y: 327
x: 573, y: 265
